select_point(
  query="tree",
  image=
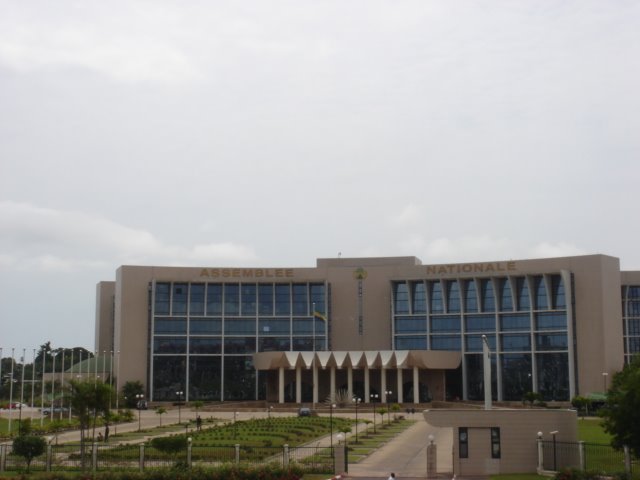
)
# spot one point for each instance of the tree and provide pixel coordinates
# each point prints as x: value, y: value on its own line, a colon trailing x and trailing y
x: 161, y: 411
x: 29, y: 447
x: 581, y: 404
x: 621, y: 410
x: 129, y: 392
x: 198, y: 404
x: 531, y: 398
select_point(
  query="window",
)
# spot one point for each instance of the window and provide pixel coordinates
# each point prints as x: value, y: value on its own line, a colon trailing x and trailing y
x: 231, y: 299
x: 411, y: 324
x: 283, y: 299
x: 557, y: 290
x: 515, y: 322
x: 400, y: 297
x: 453, y: 297
x: 445, y: 342
x: 418, y: 297
x: 495, y: 442
x: 551, y: 321
x: 265, y: 298
x: 463, y: 442
x: 436, y: 297
x: 248, y: 293
x: 214, y: 299
x: 516, y: 342
x: 488, y: 299
x: 522, y: 294
x: 162, y: 298
x: 540, y: 293
x: 179, y: 305
x: 471, y: 299
x: 196, y: 299
x: 299, y: 299
x: 480, y: 323
x: 412, y: 342
x: 506, y: 301
x: 445, y: 324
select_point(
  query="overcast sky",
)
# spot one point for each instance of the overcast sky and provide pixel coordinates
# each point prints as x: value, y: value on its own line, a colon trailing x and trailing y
x: 273, y: 133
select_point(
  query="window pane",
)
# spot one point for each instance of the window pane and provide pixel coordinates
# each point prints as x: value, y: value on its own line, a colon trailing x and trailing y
x: 400, y: 297
x: 169, y: 344
x: 283, y: 299
x: 239, y: 379
x: 196, y: 300
x: 239, y: 326
x: 506, y: 300
x: 411, y: 324
x: 474, y: 343
x: 204, y: 326
x: 436, y: 297
x: 540, y: 293
x: 557, y: 286
x: 412, y: 342
x: 231, y: 299
x: 551, y: 341
x: 480, y: 323
x: 274, y: 326
x: 445, y: 323
x: 274, y: 344
x: 249, y: 299
x: 163, y: 298
x: 204, y: 378
x: 522, y: 289
x: 446, y: 342
x: 419, y: 297
x: 299, y: 299
x: 516, y: 342
x: 551, y: 321
x: 205, y: 345
x: 453, y: 301
x: 516, y: 375
x: 515, y: 322
x: 488, y: 298
x: 214, y: 299
x: 239, y: 345
x: 553, y: 375
x: 471, y: 299
x: 168, y: 325
x: 265, y: 297
x: 317, y: 297
x: 179, y: 305
x: 168, y: 376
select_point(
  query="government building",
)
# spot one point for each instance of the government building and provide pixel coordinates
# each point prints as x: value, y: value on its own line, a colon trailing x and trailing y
x: 382, y: 329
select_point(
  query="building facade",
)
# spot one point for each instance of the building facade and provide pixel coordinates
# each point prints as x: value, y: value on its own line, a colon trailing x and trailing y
x: 371, y: 327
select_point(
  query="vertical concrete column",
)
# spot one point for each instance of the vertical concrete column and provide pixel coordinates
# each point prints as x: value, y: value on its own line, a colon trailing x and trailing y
x: 540, y: 468
x: 49, y: 457
x: 298, y: 385
x: 416, y: 385
x: 281, y: 385
x: 141, y: 460
x: 432, y: 456
x: 332, y: 381
x: 383, y: 384
x: 367, y: 384
x: 581, y: 456
x: 315, y: 383
x: 339, y: 459
x: 349, y: 382
x: 285, y: 455
x: 399, y: 387
x: 627, y: 459
x: 237, y: 445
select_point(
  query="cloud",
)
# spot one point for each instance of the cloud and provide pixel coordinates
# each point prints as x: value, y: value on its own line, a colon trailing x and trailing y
x: 560, y: 249
x: 36, y: 238
x: 409, y: 215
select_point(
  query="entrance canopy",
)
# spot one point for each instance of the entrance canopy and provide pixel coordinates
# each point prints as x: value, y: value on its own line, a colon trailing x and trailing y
x: 373, y: 359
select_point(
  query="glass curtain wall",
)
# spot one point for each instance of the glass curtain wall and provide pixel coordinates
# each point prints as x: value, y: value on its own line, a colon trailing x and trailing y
x: 523, y: 317
x: 631, y: 321
x: 204, y: 334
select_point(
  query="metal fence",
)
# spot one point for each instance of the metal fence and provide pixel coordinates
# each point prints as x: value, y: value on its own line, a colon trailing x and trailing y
x: 96, y: 457
x: 586, y: 456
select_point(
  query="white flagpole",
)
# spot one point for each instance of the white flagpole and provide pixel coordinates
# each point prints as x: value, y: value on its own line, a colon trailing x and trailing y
x: 53, y: 383
x: 11, y: 389
x: 33, y: 377
x: 24, y: 356
x: 62, y: 385
x: 44, y: 364
x: 72, y: 365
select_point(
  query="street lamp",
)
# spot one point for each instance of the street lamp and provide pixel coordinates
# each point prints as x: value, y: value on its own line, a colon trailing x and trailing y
x: 374, y: 396
x: 387, y: 394
x: 179, y: 394
x: 604, y: 378
x: 555, y: 462
x: 356, y: 400
x: 331, y: 407
x: 139, y: 397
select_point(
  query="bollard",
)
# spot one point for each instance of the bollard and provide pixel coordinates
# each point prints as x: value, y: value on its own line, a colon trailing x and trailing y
x: 237, y: 453
x: 583, y: 459
x: 142, y: 457
x: 432, y: 456
x: 48, y: 468
x: 540, y: 468
x: 94, y: 457
x: 285, y: 456
x: 627, y: 459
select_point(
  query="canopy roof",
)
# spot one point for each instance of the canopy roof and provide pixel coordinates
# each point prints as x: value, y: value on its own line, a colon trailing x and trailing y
x: 425, y: 359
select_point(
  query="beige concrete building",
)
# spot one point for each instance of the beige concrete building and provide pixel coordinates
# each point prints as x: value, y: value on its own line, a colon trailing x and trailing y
x: 362, y: 325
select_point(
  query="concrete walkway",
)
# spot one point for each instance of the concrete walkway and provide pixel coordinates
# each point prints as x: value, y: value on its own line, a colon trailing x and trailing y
x: 406, y: 454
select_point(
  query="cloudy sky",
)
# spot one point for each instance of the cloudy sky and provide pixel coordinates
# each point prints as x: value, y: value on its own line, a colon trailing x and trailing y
x: 272, y: 133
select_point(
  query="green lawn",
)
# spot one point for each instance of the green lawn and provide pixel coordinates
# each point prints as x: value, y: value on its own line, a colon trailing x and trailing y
x: 518, y: 476
x: 590, y: 431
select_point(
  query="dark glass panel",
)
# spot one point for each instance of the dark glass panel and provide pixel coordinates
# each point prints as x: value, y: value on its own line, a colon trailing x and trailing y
x: 470, y: 296
x: 495, y: 442
x: 411, y: 324
x: 436, y: 297
x: 163, y: 298
x: 304, y: 326
x: 516, y: 321
x: 205, y: 374
x: 273, y: 344
x: 283, y: 299
x: 557, y: 292
x: 400, y: 297
x: 239, y: 379
x: 453, y: 300
x: 196, y: 299
x: 411, y: 342
x: 522, y: 294
x: 633, y: 308
x: 170, y: 345
x: 205, y: 326
x: 463, y: 442
x: 513, y: 342
x: 418, y: 297
x: 445, y: 323
x: 540, y: 293
x: 214, y: 299
x: 553, y: 375
x: 273, y: 326
x: 506, y: 299
x: 239, y: 326
x: 480, y: 323
x: 205, y: 345
x: 516, y: 375
x: 488, y: 298
x: 169, y: 375
x: 446, y: 342
x: 302, y: 344
x: 249, y: 298
x: 634, y: 326
x: 265, y: 299
x: 299, y: 299
x: 551, y: 341
x: 633, y: 292
x: 170, y: 325
x: 179, y: 304
x: 634, y: 345
x: 474, y: 343
x: 551, y: 321
x: 231, y: 299
x: 239, y: 345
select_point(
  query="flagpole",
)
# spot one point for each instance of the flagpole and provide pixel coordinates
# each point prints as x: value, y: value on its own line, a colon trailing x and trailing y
x: 11, y: 389
x: 72, y: 377
x: 24, y: 356
x: 44, y: 364
x: 33, y: 378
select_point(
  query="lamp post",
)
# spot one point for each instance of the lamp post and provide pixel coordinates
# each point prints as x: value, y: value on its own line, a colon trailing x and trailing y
x: 604, y: 379
x: 139, y: 398
x: 331, y: 407
x: 555, y: 459
x: 356, y: 400
x: 387, y: 394
x: 179, y: 394
x: 374, y: 396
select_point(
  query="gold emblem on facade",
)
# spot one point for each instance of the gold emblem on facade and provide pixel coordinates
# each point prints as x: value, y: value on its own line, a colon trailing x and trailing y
x: 359, y: 273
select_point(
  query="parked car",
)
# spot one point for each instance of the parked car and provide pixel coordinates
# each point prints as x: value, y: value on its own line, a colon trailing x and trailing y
x: 304, y: 412
x: 142, y: 405
x: 48, y: 410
